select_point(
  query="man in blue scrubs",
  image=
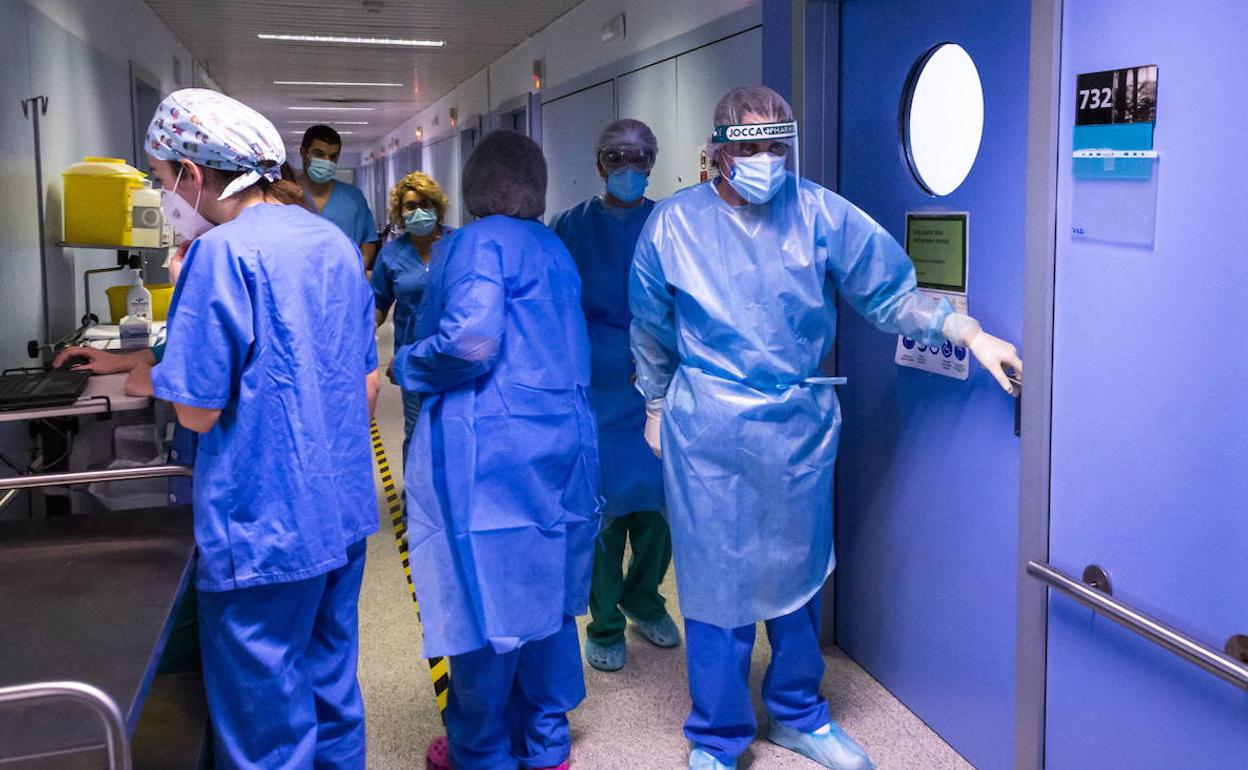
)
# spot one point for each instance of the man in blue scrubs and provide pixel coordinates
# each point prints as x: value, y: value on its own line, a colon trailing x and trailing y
x: 337, y: 201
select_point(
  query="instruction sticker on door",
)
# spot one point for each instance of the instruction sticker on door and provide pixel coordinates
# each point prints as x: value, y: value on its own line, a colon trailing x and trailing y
x: 937, y: 245
x: 947, y: 359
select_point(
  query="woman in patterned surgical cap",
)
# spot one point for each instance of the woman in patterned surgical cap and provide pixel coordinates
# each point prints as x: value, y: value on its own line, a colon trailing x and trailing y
x: 271, y: 359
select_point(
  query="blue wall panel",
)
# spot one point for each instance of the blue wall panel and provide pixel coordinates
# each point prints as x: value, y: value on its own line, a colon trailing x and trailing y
x: 1150, y: 432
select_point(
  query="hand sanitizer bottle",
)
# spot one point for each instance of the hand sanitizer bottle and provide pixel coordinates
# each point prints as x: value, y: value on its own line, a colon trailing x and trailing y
x: 136, y: 326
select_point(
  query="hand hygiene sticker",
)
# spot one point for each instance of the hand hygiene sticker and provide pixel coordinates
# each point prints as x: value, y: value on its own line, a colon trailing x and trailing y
x: 937, y: 243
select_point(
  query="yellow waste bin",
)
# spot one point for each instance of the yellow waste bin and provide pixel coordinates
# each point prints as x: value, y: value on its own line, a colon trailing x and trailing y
x: 98, y: 209
x: 162, y: 293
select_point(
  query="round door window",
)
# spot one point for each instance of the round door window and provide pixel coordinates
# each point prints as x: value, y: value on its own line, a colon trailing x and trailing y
x: 943, y: 118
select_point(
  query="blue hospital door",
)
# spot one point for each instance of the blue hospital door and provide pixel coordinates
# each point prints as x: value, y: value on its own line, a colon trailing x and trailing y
x: 1150, y: 381
x: 927, y: 482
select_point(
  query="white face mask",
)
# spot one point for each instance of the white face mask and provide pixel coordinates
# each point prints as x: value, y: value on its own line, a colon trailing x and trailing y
x: 184, y: 217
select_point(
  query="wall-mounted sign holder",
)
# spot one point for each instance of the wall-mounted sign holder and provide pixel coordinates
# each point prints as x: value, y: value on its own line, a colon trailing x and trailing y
x: 1114, y: 154
x: 1113, y: 161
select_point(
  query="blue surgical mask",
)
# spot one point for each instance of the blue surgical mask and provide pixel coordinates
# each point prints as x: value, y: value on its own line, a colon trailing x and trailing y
x: 420, y: 221
x: 758, y: 177
x: 627, y: 185
x: 320, y: 170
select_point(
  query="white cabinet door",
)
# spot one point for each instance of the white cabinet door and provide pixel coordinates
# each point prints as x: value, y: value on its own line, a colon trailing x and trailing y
x: 649, y: 95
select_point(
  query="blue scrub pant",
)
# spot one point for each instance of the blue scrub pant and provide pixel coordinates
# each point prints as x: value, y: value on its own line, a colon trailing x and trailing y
x: 509, y: 711
x: 411, y: 412
x: 722, y: 719
x: 279, y: 670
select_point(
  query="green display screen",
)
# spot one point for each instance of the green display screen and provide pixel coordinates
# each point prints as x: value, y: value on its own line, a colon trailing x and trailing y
x: 936, y: 244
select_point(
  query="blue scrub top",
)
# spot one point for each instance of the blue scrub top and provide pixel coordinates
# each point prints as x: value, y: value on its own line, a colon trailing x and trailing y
x: 601, y: 240
x: 348, y: 209
x: 399, y: 280
x: 272, y: 323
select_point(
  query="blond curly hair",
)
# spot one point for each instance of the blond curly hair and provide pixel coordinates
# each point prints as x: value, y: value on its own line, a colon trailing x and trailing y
x: 423, y: 185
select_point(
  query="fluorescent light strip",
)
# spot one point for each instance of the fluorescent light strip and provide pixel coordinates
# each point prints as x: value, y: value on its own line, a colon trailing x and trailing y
x: 333, y: 83
x: 353, y: 40
x: 300, y: 133
x: 333, y: 109
x: 333, y: 122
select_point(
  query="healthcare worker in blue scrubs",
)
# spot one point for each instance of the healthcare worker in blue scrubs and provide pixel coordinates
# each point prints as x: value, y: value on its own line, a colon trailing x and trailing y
x: 418, y: 206
x: 502, y: 507
x: 337, y: 201
x: 271, y: 359
x: 601, y: 234
x: 733, y: 294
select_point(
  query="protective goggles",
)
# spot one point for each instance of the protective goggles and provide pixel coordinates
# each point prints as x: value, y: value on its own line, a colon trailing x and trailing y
x: 626, y: 156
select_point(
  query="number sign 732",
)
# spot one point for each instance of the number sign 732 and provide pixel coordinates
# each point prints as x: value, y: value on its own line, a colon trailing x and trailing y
x: 1096, y: 98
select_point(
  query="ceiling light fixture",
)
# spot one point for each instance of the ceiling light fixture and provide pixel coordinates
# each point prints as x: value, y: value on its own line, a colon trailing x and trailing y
x: 297, y: 131
x: 333, y: 122
x: 337, y: 109
x: 334, y: 40
x: 333, y: 83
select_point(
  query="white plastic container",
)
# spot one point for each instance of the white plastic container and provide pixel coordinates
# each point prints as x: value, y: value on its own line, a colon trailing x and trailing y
x: 147, y: 221
x: 136, y: 327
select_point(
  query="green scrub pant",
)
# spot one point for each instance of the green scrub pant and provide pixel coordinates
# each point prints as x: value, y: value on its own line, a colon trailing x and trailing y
x: 638, y: 591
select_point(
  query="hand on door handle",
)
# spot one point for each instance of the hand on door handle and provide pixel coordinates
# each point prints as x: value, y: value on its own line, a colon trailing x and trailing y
x: 993, y: 353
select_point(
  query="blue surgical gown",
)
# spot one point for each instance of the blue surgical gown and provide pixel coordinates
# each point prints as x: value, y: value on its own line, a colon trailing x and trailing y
x: 348, y: 208
x: 502, y: 506
x: 602, y: 241
x: 272, y: 323
x: 733, y: 311
x: 399, y: 279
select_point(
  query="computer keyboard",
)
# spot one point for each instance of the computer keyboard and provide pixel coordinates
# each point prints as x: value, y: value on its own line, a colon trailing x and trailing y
x: 47, y: 388
x: 17, y: 386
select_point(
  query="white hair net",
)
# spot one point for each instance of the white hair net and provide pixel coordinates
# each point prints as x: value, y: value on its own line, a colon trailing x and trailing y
x: 505, y: 174
x: 761, y: 103
x: 628, y: 132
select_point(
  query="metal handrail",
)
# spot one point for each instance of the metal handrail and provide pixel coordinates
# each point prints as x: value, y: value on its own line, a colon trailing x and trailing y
x: 1140, y: 624
x: 89, y: 477
x: 92, y: 697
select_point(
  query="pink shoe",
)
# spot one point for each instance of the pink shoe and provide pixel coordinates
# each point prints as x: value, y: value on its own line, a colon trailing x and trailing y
x: 561, y: 766
x: 438, y: 755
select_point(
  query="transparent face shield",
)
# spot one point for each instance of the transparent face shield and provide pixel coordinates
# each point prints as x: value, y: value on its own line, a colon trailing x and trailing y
x: 759, y: 161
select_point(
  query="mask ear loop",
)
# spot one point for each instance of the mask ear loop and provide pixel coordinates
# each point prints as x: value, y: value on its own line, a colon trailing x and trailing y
x: 178, y: 180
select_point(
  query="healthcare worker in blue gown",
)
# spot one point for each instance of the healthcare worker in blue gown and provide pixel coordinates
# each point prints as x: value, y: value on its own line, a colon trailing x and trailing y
x: 502, y: 506
x: 399, y: 278
x: 271, y: 359
x: 733, y: 294
x: 601, y: 234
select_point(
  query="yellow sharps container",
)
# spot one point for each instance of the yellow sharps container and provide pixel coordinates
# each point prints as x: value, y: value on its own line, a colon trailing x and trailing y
x: 97, y: 206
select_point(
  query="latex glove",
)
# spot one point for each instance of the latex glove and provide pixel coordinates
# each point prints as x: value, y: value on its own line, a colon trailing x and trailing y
x: 654, y: 418
x: 992, y: 353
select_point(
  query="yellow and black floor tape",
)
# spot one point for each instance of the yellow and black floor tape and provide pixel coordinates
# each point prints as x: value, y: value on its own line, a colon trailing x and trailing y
x: 439, y: 668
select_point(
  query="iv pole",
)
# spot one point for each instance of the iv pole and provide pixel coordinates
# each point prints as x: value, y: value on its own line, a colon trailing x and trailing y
x: 35, y: 108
